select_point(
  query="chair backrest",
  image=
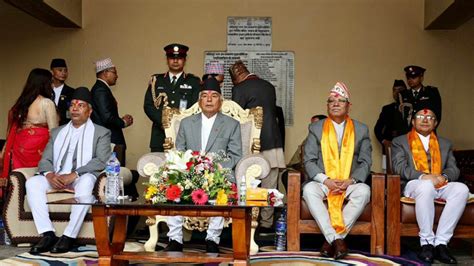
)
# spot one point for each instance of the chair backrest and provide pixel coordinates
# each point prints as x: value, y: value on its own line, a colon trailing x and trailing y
x: 251, y: 121
x: 388, y: 158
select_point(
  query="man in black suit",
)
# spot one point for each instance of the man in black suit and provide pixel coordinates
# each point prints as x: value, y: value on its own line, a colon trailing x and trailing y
x: 391, y: 122
x: 418, y: 93
x: 250, y: 91
x: 174, y: 88
x: 62, y: 92
x: 105, y: 106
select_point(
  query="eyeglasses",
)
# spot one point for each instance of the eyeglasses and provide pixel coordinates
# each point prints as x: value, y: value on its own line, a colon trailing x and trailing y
x: 333, y: 101
x: 428, y: 117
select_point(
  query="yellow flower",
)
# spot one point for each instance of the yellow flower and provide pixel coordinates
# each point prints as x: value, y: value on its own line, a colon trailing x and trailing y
x: 221, y: 197
x: 150, y: 192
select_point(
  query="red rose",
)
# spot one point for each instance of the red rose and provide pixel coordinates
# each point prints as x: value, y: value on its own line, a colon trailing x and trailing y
x: 173, y: 192
x: 195, y: 153
x: 233, y: 194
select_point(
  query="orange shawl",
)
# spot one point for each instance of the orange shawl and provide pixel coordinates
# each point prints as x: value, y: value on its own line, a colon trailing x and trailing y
x: 337, y: 166
x: 420, y: 159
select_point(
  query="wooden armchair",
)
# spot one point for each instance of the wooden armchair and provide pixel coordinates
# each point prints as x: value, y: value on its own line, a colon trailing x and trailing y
x: 401, y: 218
x: 251, y: 165
x: 370, y: 223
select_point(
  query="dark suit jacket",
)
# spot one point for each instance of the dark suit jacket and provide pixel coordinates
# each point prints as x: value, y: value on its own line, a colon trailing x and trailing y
x: 187, y: 88
x: 63, y: 104
x: 427, y: 93
x: 254, y: 92
x: 403, y: 164
x: 361, y: 161
x: 105, y: 111
x: 390, y: 123
x: 225, y: 136
x: 100, y: 153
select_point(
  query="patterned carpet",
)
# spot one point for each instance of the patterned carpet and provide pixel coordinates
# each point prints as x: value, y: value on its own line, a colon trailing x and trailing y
x: 87, y: 255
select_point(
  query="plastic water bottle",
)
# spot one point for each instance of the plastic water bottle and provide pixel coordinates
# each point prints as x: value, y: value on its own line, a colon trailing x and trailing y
x: 280, y: 234
x: 4, y: 235
x: 113, y: 184
x: 243, y: 192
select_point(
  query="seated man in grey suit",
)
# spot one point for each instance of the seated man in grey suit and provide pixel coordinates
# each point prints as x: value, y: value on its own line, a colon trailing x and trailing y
x: 337, y: 158
x: 73, y: 158
x: 209, y: 131
x: 428, y: 170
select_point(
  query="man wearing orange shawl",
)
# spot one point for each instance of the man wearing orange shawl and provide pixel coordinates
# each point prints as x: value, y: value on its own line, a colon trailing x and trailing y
x: 337, y: 158
x: 428, y: 168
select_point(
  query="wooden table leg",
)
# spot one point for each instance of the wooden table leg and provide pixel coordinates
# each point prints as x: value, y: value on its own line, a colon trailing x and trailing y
x: 105, y: 249
x: 241, y: 219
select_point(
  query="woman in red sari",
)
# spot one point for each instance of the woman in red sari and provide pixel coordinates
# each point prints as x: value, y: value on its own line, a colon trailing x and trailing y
x: 29, y: 122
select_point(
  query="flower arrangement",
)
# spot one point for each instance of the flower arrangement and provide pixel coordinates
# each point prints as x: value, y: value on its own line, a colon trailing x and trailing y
x: 190, y: 177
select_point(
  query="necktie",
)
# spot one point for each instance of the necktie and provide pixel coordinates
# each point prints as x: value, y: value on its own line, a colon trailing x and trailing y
x: 173, y: 83
x: 415, y: 94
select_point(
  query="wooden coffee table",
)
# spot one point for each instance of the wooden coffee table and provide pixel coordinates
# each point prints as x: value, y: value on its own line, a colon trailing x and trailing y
x: 111, y: 250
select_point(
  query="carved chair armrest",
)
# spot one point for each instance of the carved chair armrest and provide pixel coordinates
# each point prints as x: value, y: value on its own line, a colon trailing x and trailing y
x: 254, y: 165
x: 158, y: 158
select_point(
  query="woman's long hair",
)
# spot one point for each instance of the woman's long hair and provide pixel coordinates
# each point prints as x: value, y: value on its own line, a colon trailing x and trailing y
x: 38, y: 83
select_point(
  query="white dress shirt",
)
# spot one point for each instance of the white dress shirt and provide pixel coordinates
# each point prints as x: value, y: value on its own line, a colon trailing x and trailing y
x: 206, y: 128
x: 177, y: 76
x: 321, y: 177
x: 57, y: 93
x: 76, y: 133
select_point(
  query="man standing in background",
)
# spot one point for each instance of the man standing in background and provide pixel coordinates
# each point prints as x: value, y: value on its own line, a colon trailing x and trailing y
x: 105, y: 106
x: 418, y: 93
x: 250, y: 91
x: 62, y: 92
x: 174, y: 88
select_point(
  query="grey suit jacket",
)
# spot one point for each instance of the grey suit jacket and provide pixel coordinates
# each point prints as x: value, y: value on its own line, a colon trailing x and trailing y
x: 361, y: 161
x: 403, y: 164
x: 101, y: 152
x: 225, y: 136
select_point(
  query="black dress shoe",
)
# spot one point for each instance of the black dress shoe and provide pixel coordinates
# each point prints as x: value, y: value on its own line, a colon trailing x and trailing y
x: 44, y: 245
x: 327, y: 250
x: 64, y: 244
x: 174, y: 246
x: 340, y: 249
x: 212, y: 247
x: 442, y: 254
x: 427, y: 253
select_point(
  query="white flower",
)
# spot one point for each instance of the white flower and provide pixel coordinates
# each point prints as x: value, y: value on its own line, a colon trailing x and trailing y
x: 178, y: 160
x: 150, y: 168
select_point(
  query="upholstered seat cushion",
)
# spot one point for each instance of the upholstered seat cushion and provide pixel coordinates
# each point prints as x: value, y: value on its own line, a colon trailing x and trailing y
x: 407, y: 211
x: 306, y: 215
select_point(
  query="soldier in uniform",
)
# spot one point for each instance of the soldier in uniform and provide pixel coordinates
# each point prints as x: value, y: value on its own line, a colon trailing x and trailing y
x: 420, y: 94
x: 391, y: 122
x: 174, y: 88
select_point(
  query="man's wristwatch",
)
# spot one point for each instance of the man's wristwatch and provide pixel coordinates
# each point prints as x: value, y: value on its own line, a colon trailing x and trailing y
x: 354, y: 181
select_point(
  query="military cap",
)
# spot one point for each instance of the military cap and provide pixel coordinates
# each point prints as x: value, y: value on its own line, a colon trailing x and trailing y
x: 211, y: 84
x: 176, y: 50
x: 58, y: 62
x: 414, y: 71
x: 83, y: 94
x: 399, y: 83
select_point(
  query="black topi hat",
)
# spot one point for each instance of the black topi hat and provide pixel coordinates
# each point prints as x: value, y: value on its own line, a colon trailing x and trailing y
x: 176, y: 50
x: 211, y: 84
x: 425, y: 105
x: 399, y: 83
x: 83, y: 94
x: 58, y: 62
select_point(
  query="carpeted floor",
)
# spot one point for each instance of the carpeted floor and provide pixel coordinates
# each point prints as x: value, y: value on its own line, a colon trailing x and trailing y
x: 87, y: 255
